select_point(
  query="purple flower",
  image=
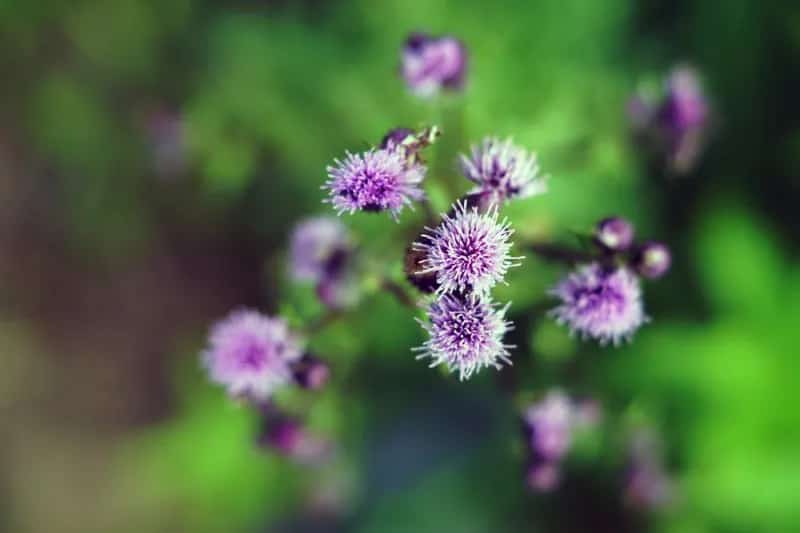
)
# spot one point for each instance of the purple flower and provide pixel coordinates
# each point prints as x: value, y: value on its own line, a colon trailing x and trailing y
x: 502, y: 171
x: 683, y: 117
x: 652, y: 259
x: 614, y: 234
x: 376, y: 180
x: 250, y: 354
x: 319, y: 247
x: 466, y: 334
x: 647, y: 485
x: 469, y: 250
x: 601, y: 303
x: 549, y: 423
x: 430, y: 64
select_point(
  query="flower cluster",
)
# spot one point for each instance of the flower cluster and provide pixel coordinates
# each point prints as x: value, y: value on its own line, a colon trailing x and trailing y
x: 548, y: 428
x: 675, y: 126
x: 430, y: 64
x: 603, y: 298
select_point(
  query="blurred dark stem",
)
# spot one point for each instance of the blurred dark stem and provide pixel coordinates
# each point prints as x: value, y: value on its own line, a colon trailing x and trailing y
x: 399, y: 292
x: 330, y: 316
x: 431, y: 218
x: 560, y: 254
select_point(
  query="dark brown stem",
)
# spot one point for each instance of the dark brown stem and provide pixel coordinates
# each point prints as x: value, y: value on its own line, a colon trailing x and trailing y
x: 399, y: 292
x: 560, y: 254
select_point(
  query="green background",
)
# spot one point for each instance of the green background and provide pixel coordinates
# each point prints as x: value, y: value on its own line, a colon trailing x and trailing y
x: 111, y: 271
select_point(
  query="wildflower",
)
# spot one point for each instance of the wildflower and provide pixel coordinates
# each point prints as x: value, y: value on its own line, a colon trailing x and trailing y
x: 549, y: 425
x: 466, y: 334
x: 250, y: 354
x: 319, y: 248
x: 599, y: 302
x: 502, y: 171
x: 468, y: 251
x: 652, y: 260
x: 376, y: 180
x: 430, y: 64
x: 614, y: 234
x: 674, y: 125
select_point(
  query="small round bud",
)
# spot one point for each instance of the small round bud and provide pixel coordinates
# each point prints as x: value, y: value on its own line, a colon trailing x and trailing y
x: 652, y: 260
x: 310, y: 372
x: 614, y: 234
x: 413, y: 266
x: 396, y: 136
x: 289, y: 438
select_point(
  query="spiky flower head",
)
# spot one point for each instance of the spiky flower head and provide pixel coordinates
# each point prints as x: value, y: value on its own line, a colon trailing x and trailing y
x: 251, y: 354
x: 502, y: 170
x: 319, y: 246
x: 468, y: 251
x: 430, y: 64
x: 375, y: 180
x: 601, y: 303
x: 466, y: 334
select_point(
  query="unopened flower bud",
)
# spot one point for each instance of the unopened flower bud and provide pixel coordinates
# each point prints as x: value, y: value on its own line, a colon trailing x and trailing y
x: 652, y: 260
x: 310, y: 372
x: 614, y: 234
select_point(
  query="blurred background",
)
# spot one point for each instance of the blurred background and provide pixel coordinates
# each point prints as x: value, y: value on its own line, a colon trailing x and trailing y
x: 154, y: 157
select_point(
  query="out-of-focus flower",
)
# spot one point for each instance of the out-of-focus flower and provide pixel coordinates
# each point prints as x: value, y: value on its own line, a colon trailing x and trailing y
x: 251, y: 354
x: 502, y: 171
x: 288, y: 437
x: 430, y: 64
x: 311, y: 372
x: 676, y: 126
x: 318, y: 248
x: 601, y: 303
x: 466, y: 334
x: 614, y: 234
x: 376, y: 180
x: 468, y: 251
x: 652, y: 259
x: 647, y: 485
x: 549, y: 424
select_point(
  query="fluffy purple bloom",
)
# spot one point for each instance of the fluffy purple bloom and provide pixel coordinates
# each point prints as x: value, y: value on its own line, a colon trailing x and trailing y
x: 251, y: 354
x: 466, y: 334
x: 376, y: 180
x: 614, y: 234
x: 652, y: 259
x: 319, y: 246
x: 430, y: 64
x: 468, y: 251
x: 602, y: 303
x: 502, y: 171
